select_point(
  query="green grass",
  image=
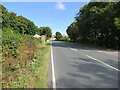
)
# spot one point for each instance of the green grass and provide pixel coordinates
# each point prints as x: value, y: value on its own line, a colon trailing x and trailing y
x: 39, y: 70
x: 0, y: 71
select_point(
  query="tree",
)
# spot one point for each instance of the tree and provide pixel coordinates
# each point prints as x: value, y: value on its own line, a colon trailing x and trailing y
x: 65, y: 38
x: 46, y: 31
x: 72, y: 31
x: 97, y: 24
x: 17, y: 24
x: 58, y: 35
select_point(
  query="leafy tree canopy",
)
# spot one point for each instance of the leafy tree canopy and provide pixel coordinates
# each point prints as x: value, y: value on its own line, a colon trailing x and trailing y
x: 58, y: 35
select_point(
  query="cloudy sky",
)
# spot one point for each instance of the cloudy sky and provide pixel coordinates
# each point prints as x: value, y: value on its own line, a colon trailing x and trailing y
x: 57, y: 15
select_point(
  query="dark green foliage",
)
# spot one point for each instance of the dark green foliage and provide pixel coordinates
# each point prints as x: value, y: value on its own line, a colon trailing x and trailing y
x: 17, y: 24
x: 58, y: 35
x: 72, y: 31
x: 46, y: 31
x: 18, y: 47
x: 98, y: 23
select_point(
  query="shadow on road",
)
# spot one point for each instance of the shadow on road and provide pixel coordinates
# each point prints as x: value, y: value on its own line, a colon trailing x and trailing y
x: 68, y: 45
x: 90, y: 75
x: 83, y: 72
x: 60, y: 44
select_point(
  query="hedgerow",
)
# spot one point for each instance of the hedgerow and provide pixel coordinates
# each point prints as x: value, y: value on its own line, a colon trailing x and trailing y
x: 17, y: 52
x: 19, y: 48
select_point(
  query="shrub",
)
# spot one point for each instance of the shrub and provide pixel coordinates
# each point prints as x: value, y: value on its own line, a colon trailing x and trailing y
x: 65, y: 38
x: 17, y: 51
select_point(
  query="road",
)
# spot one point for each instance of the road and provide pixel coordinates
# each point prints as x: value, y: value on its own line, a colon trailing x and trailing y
x: 84, y: 67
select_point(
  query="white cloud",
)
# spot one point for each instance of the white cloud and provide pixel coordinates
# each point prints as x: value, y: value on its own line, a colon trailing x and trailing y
x: 60, y: 6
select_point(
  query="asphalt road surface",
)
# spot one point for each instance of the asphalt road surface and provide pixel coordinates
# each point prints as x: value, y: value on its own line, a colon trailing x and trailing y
x: 83, y: 67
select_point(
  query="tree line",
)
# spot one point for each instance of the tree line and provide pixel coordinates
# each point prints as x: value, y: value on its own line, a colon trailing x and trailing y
x: 97, y: 23
x: 21, y: 25
x: 19, y: 47
x: 60, y: 37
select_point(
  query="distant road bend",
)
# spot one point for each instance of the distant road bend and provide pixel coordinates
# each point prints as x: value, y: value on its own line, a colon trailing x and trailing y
x: 82, y: 67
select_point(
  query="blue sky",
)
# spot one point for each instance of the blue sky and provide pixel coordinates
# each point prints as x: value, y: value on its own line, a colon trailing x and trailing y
x: 57, y: 15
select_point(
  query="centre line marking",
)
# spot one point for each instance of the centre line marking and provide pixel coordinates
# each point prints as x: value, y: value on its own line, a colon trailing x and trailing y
x: 102, y: 62
x: 63, y: 44
x: 53, y: 70
x: 73, y: 49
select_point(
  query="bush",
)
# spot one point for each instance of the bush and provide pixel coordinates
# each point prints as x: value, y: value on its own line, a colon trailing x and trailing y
x: 17, y: 51
x: 65, y: 38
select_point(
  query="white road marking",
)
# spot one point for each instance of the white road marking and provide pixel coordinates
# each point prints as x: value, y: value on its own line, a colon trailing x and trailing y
x: 97, y: 59
x: 73, y: 49
x: 102, y: 62
x: 99, y: 51
x: 63, y: 44
x: 53, y: 70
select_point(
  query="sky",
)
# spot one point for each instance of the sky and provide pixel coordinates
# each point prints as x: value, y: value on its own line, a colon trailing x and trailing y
x: 56, y: 15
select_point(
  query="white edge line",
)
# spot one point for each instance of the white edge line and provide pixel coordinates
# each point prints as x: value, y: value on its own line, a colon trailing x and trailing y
x: 53, y: 70
x: 103, y: 63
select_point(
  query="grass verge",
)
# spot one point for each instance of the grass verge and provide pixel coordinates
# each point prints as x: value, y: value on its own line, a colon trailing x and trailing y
x: 39, y: 70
